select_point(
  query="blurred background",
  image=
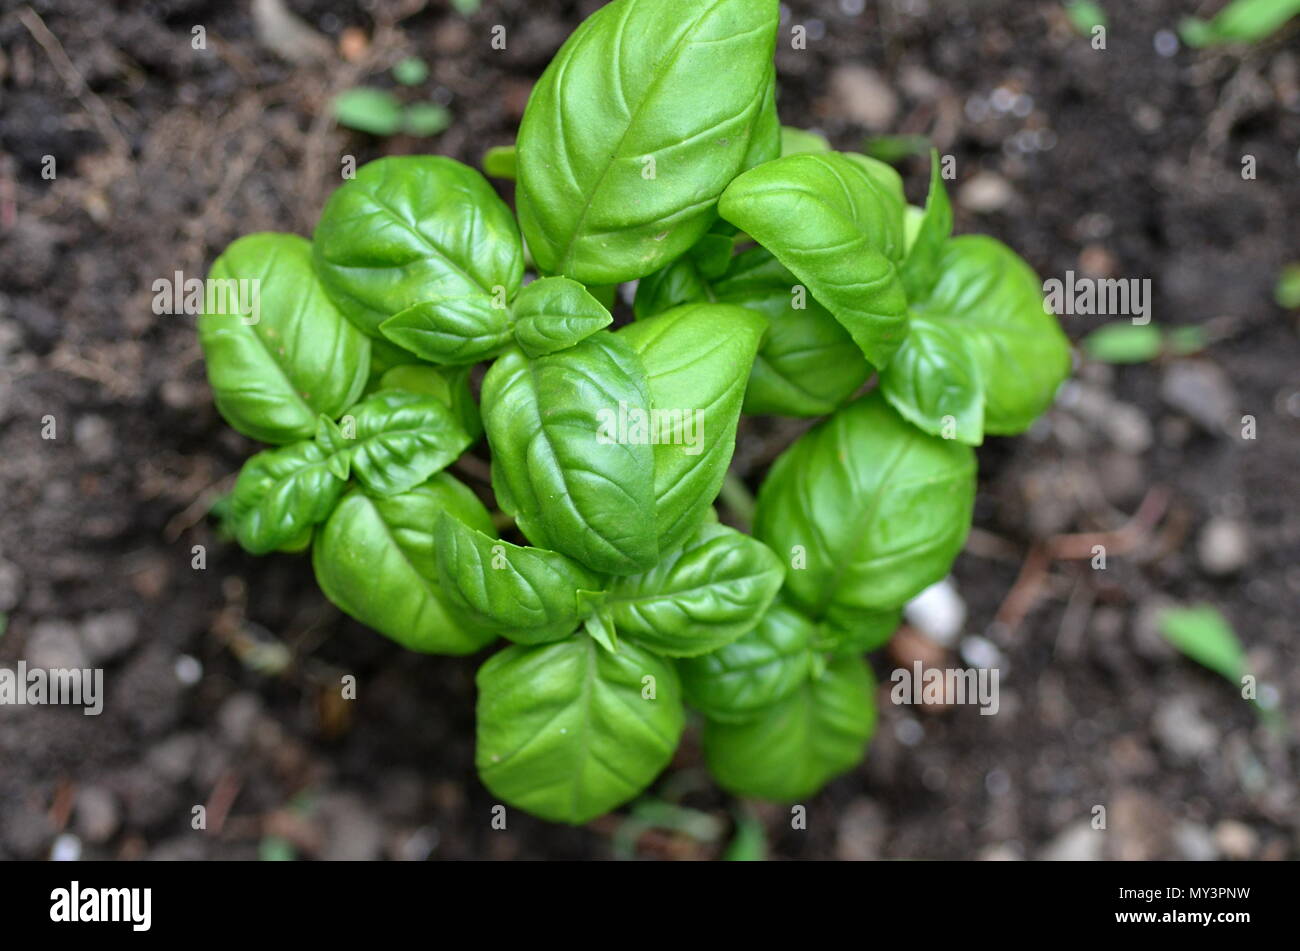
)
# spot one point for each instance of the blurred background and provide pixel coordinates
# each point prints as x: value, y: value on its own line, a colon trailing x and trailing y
x: 177, y: 125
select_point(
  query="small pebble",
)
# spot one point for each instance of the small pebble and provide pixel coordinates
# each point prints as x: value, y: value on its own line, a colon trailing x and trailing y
x: 188, y: 670
x: 93, y: 435
x: 986, y: 192
x: 1236, y: 840
x: 938, y: 611
x: 66, y: 848
x: 1223, y: 546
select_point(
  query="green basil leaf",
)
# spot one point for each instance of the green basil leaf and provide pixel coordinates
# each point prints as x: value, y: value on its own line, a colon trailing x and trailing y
x: 992, y: 303
x: 384, y: 356
x: 569, y: 731
x: 858, y: 632
x: 278, y: 352
x: 280, y: 494
x: 935, y: 382
x: 526, y: 594
x: 712, y: 255
x: 449, y: 385
x: 499, y: 162
x: 554, y: 313
x: 832, y: 220
x: 868, y: 510
x: 374, y: 559
x: 679, y: 283
x: 765, y: 139
x: 807, y: 364
x: 616, y: 185
x: 413, y: 229
x: 570, y: 486
x: 740, y: 680
x: 452, y: 330
x: 794, y: 141
x: 792, y: 748
x: 599, y: 625
x: 699, y: 597
x: 697, y: 360
x: 395, y: 439
x: 921, y: 266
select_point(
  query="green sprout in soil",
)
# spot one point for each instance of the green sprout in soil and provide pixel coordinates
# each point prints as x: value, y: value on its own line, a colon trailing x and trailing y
x: 1242, y: 21
x: 381, y: 112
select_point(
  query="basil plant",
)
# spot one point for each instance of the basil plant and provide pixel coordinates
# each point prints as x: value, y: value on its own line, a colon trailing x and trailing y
x: 773, y: 276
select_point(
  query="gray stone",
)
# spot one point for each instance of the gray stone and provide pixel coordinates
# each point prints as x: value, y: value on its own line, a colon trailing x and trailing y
x: 1223, y: 546
x: 351, y: 833
x: 237, y: 718
x: 1182, y: 730
x: 54, y: 644
x: 1079, y: 842
x: 97, y: 814
x: 93, y: 435
x: 1195, y: 842
x: 1236, y: 840
x: 1201, y: 391
x: 109, y: 635
x: 862, y: 95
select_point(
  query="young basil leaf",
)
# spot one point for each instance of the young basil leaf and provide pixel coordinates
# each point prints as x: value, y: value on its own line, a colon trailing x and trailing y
x: 599, y: 625
x: 794, y: 141
x: 449, y: 385
x: 699, y: 597
x: 278, y: 352
x: 935, y: 382
x: 452, y: 330
x: 868, y: 509
x: 738, y: 681
x: 832, y: 220
x: 395, y: 439
x: 569, y: 731
x: 792, y: 748
x: 614, y: 186
x: 554, y: 313
x: 572, y: 486
x: 526, y: 594
x: 697, y: 360
x: 280, y: 494
x: 921, y: 266
x: 374, y: 558
x: 807, y: 364
x: 712, y: 255
x: 412, y: 229
x: 999, y: 340
x: 499, y: 162
x: 679, y: 283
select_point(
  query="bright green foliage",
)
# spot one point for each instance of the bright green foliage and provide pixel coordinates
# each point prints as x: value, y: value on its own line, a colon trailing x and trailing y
x: 775, y: 276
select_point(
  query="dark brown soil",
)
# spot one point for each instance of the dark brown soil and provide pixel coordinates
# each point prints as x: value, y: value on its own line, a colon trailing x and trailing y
x: 165, y: 153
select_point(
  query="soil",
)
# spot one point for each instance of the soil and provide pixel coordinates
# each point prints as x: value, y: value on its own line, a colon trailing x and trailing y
x: 222, y: 672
